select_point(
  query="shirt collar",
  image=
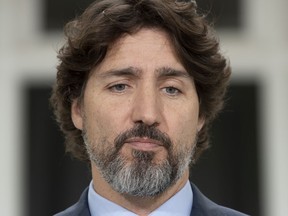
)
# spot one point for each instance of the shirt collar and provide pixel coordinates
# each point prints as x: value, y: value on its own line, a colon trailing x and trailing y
x: 175, y: 206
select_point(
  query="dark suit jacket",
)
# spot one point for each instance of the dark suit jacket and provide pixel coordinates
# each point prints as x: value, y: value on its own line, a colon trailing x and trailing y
x: 202, y: 206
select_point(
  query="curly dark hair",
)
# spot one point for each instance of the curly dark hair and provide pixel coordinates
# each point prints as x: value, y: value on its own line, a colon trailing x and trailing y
x: 105, y: 21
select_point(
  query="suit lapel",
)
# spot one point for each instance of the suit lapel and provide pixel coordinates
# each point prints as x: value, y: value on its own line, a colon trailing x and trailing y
x: 201, y: 204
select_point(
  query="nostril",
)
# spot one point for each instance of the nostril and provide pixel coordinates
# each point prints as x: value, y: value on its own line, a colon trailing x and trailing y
x: 153, y: 124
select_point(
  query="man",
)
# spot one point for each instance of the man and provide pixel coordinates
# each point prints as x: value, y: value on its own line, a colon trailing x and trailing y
x: 138, y: 84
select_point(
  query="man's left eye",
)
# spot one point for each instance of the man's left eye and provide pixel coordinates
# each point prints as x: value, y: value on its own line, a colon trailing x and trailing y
x: 171, y: 90
x: 118, y: 87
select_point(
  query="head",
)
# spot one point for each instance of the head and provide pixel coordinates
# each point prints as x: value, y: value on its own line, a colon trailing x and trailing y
x: 107, y: 37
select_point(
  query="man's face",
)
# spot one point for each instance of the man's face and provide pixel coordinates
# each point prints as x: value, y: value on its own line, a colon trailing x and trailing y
x: 140, y: 115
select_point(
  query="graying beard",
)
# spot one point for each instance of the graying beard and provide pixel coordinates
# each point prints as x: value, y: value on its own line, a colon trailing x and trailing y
x: 138, y: 179
x: 142, y: 178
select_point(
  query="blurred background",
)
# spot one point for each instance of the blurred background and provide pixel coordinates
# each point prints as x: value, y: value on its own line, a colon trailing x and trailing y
x: 246, y: 167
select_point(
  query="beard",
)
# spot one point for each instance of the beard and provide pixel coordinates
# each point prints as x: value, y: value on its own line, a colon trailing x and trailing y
x: 141, y: 177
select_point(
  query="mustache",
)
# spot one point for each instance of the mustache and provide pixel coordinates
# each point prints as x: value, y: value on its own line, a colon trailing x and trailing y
x: 142, y: 130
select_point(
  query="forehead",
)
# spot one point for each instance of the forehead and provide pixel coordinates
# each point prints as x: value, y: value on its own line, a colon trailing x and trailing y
x: 147, y: 49
x: 148, y: 36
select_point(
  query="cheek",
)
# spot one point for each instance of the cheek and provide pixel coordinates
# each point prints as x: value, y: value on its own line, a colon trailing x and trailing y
x: 187, y: 131
x: 104, y: 119
x: 183, y: 125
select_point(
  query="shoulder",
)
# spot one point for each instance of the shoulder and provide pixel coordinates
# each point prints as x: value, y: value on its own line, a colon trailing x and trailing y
x: 80, y: 208
x: 203, y: 206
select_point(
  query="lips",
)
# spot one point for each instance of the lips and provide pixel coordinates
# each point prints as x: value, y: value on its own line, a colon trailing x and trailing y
x: 144, y: 144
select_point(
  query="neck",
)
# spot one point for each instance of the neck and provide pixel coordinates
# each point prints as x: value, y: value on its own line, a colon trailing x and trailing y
x: 139, y: 205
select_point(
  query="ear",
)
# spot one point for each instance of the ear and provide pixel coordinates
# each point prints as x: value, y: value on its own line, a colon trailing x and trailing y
x: 201, y: 122
x: 76, y: 114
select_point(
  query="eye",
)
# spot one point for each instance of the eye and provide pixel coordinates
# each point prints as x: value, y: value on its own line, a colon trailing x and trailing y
x: 172, y: 91
x: 118, y: 87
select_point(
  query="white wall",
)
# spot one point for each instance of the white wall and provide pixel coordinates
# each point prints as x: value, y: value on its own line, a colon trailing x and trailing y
x: 258, y: 53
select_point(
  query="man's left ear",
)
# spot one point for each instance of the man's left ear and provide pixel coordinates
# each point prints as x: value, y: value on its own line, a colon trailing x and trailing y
x: 76, y: 114
x: 201, y: 122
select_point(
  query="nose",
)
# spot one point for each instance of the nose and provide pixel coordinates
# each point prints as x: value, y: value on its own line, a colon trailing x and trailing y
x: 146, y: 107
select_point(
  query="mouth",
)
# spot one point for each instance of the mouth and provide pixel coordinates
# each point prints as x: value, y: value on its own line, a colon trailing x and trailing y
x: 144, y: 144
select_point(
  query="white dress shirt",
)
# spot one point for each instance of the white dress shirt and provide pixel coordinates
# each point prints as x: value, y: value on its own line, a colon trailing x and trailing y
x: 178, y: 205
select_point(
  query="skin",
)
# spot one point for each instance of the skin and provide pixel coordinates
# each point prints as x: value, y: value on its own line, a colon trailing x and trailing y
x: 141, y: 79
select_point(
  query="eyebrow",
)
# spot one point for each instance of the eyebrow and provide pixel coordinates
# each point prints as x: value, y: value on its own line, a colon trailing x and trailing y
x: 129, y: 71
x: 171, y: 72
x: 162, y: 72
